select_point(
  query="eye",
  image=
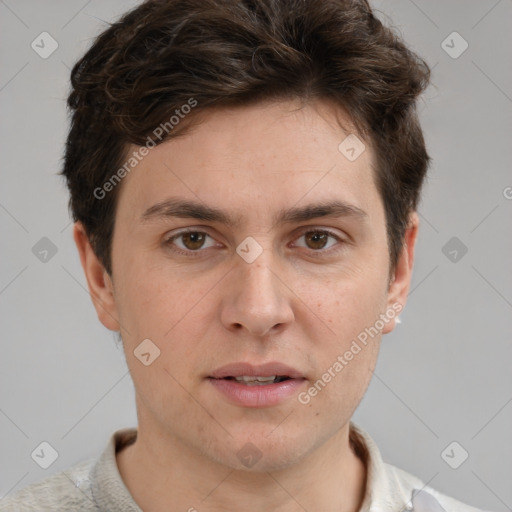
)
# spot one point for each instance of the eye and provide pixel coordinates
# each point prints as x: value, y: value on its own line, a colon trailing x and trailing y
x: 191, y: 241
x: 318, y: 240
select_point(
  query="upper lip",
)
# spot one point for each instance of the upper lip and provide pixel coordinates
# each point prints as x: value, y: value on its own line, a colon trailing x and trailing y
x: 261, y: 370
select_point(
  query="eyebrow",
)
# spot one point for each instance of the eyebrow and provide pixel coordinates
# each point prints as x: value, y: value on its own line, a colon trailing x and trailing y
x: 186, y: 209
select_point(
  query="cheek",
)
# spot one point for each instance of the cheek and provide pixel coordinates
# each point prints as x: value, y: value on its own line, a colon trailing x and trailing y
x: 343, y: 335
x: 175, y: 316
x: 345, y: 359
x: 345, y: 304
x: 167, y: 312
x: 156, y: 301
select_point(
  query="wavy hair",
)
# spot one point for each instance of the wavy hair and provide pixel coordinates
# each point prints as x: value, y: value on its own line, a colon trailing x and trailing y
x: 238, y: 52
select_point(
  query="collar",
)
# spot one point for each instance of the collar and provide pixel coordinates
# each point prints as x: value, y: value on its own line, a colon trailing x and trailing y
x: 107, y: 487
x: 384, y: 490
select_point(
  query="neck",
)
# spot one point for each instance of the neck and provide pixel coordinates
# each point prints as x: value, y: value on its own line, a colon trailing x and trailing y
x: 163, y: 474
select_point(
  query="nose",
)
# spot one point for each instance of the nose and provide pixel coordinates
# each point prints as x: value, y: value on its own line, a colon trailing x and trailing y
x: 258, y: 298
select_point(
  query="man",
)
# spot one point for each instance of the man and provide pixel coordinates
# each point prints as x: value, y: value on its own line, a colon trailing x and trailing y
x: 244, y: 178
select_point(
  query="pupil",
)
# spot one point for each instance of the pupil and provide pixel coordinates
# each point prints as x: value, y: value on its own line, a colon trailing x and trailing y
x: 318, y: 237
x: 196, y: 240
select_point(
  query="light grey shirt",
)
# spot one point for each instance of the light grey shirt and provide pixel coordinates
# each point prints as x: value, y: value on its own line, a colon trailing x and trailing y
x: 96, y: 485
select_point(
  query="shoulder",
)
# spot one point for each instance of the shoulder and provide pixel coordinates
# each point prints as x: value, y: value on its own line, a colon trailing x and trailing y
x: 390, y: 488
x: 424, y: 498
x: 65, y: 491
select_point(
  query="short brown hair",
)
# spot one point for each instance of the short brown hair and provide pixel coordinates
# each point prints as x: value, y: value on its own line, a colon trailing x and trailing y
x: 161, y: 54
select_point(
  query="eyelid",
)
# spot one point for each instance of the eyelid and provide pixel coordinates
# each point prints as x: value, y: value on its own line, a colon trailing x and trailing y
x: 318, y: 229
x: 303, y: 231
x: 168, y: 240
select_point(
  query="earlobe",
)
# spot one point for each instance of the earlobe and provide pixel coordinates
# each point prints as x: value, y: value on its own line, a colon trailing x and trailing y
x: 401, y: 282
x: 99, y: 282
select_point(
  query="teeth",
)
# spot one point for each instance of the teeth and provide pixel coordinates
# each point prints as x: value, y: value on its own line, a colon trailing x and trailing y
x: 245, y: 378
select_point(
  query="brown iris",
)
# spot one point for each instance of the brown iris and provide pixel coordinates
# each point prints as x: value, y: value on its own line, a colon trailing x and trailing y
x: 194, y: 238
x: 317, y: 237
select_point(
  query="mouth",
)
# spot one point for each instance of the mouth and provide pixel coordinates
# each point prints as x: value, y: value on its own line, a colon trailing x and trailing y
x: 258, y: 380
x: 266, y: 373
x: 263, y: 385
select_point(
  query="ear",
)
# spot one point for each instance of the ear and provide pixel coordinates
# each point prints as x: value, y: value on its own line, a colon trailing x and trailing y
x: 400, y: 284
x: 99, y: 282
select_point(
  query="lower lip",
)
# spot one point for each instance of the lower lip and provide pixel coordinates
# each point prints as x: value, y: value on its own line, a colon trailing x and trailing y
x: 257, y: 396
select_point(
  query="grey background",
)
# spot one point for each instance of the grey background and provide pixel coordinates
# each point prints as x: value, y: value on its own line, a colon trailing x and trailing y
x: 442, y: 376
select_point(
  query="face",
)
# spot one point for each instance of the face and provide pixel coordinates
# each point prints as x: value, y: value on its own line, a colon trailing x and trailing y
x: 278, y: 266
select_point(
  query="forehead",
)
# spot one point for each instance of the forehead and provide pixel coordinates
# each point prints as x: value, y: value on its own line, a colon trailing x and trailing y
x: 255, y: 159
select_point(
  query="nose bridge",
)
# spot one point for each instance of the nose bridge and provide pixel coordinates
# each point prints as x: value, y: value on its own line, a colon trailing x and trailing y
x: 257, y: 263
x: 259, y: 301
x: 258, y: 282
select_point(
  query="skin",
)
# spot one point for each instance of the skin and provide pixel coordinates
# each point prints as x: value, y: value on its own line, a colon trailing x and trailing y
x: 299, y: 302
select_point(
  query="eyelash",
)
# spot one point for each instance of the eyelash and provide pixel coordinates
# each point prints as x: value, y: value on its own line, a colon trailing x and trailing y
x: 190, y: 253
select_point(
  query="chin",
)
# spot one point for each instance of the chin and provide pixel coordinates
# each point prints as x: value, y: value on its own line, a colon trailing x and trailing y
x: 258, y: 453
